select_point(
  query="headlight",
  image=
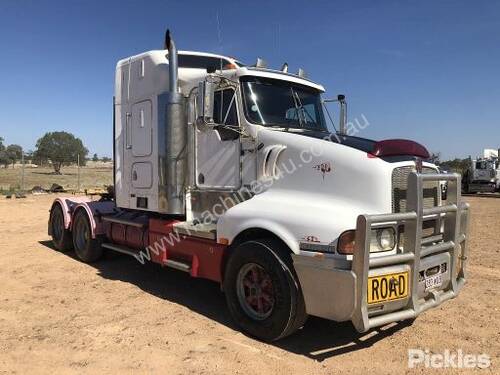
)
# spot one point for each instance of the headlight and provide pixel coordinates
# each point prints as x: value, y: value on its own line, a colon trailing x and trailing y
x: 382, y: 239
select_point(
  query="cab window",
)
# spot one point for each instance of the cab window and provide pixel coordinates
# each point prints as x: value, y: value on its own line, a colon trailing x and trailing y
x: 201, y: 62
x: 226, y: 115
x: 225, y: 107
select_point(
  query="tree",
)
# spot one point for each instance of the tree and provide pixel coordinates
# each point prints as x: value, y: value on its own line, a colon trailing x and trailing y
x: 3, y: 155
x: 456, y: 165
x: 14, y: 153
x: 95, y: 158
x: 28, y: 155
x: 105, y: 159
x: 61, y: 148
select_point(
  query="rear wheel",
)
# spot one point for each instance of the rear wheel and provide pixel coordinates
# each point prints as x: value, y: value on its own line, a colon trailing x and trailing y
x: 88, y: 249
x: 61, y: 237
x: 262, y: 291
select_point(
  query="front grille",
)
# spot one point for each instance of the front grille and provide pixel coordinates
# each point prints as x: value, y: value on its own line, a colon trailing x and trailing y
x: 400, y: 186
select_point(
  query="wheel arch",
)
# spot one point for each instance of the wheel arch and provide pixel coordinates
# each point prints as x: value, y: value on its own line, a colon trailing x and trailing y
x: 84, y: 207
x: 249, y: 234
x: 68, y: 206
x: 95, y: 210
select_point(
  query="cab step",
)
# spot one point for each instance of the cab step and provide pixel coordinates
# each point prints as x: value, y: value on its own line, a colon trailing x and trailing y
x: 176, y: 264
x: 121, y: 249
x: 181, y: 266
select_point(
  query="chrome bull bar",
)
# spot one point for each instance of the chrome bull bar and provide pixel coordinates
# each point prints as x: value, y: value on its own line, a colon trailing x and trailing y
x: 454, y: 215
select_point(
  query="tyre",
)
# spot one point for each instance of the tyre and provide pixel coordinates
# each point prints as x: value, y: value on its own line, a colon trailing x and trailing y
x: 61, y: 237
x: 262, y: 291
x: 88, y: 249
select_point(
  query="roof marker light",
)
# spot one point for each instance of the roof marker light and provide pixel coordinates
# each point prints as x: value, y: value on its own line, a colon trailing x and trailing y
x: 261, y: 63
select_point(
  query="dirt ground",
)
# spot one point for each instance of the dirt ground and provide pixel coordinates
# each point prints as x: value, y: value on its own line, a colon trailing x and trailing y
x: 58, y: 315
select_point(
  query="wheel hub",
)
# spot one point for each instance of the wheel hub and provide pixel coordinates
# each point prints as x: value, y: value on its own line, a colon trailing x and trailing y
x: 255, y: 291
x: 82, y: 235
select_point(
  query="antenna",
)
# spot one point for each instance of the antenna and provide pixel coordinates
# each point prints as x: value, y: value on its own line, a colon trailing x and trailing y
x: 219, y: 31
x: 278, y: 46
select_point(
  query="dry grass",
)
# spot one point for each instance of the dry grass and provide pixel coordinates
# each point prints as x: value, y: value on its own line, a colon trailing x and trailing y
x: 90, y: 177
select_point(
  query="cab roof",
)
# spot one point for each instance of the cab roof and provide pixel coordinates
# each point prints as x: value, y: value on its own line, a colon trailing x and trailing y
x: 198, y: 66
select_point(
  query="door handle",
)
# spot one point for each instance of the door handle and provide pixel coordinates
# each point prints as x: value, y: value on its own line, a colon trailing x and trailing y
x: 128, y: 131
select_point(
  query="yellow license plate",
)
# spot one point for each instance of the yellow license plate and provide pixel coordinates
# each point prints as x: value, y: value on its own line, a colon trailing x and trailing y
x: 386, y: 288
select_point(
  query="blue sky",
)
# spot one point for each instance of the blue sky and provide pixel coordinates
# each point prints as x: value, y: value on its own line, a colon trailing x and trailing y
x: 423, y: 70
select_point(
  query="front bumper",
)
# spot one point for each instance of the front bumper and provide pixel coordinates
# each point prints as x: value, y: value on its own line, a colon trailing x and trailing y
x: 482, y: 187
x: 337, y: 290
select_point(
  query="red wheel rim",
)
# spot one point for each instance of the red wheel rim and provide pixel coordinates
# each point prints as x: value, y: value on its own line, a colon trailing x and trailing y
x: 255, y: 291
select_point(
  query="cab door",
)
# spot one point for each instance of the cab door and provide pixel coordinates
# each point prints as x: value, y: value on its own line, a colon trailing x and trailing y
x: 218, y: 148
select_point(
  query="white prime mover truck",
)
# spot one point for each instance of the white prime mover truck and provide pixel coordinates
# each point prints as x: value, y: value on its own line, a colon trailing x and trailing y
x: 229, y: 172
x: 483, y: 173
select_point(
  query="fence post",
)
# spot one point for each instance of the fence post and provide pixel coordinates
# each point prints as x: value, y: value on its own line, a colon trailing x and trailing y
x: 78, y: 164
x: 22, y: 171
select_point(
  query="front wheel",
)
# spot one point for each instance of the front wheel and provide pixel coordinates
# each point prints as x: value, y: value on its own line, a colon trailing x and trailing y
x: 262, y: 291
x: 88, y: 249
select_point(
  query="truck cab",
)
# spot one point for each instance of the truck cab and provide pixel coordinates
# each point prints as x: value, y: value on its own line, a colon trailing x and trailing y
x: 233, y: 173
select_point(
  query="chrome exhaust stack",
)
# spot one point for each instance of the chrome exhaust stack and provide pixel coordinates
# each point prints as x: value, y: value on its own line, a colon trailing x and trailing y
x: 173, y: 166
x: 173, y: 65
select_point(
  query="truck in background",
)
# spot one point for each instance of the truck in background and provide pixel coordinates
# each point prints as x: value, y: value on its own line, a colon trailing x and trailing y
x: 483, y: 174
x: 231, y: 173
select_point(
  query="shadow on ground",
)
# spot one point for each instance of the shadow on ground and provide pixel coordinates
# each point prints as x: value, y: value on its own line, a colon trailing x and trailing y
x: 319, y: 339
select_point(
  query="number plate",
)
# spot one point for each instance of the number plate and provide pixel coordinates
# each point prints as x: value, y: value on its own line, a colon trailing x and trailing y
x: 433, y: 281
x: 386, y: 288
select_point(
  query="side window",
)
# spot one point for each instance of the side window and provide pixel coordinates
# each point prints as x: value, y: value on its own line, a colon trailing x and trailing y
x: 201, y: 62
x: 225, y: 107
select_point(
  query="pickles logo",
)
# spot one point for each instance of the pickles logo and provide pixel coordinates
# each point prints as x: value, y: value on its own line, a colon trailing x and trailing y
x: 447, y: 359
x: 323, y: 168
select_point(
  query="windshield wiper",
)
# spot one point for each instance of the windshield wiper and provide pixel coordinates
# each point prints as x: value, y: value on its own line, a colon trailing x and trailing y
x: 299, y: 116
x: 302, y: 109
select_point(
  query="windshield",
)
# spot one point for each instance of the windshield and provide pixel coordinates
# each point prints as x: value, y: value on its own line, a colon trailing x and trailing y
x: 273, y: 102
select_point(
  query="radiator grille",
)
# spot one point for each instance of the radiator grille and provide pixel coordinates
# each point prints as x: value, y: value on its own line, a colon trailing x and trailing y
x: 400, y: 186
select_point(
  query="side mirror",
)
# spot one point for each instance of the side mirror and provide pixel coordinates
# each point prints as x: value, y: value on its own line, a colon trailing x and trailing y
x: 205, y: 105
x: 343, y: 112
